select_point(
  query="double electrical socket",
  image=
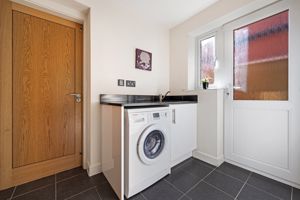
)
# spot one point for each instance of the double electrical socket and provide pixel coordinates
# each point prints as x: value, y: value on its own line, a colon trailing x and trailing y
x: 129, y: 83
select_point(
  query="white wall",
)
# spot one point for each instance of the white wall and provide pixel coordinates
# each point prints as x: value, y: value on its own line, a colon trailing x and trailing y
x: 114, y: 35
x: 210, y: 127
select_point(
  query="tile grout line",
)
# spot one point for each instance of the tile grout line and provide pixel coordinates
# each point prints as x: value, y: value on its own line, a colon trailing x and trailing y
x: 55, y: 187
x: 232, y: 176
x: 251, y: 184
x: 194, y: 174
x: 205, y: 164
x: 218, y: 189
x: 12, y: 194
x: 187, y: 162
x: 199, y: 181
x: 183, y: 164
x: 80, y: 193
x: 173, y: 186
x: 143, y: 196
x: 98, y: 193
x: 39, y: 188
x: 228, y: 175
x: 243, y: 185
x: 292, y: 192
x: 184, y: 196
x: 65, y: 179
x: 211, y: 168
x: 265, y: 191
x: 215, y: 169
x: 182, y: 193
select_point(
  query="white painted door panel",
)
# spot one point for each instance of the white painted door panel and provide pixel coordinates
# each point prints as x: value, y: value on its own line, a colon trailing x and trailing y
x: 265, y: 135
x: 266, y: 141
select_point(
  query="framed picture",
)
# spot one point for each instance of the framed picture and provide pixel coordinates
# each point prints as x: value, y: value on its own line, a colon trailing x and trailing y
x: 143, y: 60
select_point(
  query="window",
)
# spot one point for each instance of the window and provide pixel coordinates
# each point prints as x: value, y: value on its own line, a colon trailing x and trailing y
x: 261, y: 59
x: 207, y: 59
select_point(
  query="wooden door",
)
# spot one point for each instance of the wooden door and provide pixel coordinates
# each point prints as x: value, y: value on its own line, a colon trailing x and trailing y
x: 41, y: 134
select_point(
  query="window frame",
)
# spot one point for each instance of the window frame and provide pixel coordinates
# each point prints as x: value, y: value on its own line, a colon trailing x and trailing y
x: 199, y: 39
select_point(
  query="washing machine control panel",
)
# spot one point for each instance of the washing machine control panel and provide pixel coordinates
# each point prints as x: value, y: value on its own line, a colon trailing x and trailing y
x: 156, y: 115
x: 159, y: 115
x: 146, y: 117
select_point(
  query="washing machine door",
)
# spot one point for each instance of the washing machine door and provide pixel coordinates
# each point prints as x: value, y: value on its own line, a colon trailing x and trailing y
x: 152, y: 144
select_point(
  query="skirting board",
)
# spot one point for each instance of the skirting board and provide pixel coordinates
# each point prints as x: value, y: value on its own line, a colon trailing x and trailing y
x: 94, y: 169
x: 216, y: 161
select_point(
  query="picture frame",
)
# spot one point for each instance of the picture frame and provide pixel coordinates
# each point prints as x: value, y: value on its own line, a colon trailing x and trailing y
x: 143, y: 60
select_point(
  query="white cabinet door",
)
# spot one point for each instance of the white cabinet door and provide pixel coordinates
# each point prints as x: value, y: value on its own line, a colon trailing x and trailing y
x: 183, y: 131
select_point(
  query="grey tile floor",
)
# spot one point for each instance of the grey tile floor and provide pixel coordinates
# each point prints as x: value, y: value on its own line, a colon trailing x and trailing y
x: 192, y: 179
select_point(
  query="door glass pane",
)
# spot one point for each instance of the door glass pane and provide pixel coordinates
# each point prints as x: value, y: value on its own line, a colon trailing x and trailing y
x: 207, y: 59
x: 261, y: 59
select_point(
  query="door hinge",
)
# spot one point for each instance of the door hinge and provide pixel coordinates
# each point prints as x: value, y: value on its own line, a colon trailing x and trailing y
x: 80, y: 153
x: 81, y: 28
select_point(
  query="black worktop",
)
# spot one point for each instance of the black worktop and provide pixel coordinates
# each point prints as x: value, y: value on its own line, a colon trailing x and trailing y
x: 146, y: 100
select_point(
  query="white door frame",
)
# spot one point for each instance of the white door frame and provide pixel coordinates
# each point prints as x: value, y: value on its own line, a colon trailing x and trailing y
x: 290, y: 173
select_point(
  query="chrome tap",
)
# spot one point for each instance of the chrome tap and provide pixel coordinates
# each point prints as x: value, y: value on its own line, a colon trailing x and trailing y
x: 162, y: 97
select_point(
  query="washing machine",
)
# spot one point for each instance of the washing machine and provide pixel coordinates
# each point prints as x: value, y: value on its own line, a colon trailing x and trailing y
x: 147, y: 147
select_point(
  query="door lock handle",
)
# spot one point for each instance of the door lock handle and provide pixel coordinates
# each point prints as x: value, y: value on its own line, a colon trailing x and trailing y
x: 174, y: 116
x: 77, y: 97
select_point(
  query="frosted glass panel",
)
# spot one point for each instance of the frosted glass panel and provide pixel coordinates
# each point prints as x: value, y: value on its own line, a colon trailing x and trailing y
x: 261, y: 59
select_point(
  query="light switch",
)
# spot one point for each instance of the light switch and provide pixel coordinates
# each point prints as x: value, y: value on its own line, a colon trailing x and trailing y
x: 120, y: 82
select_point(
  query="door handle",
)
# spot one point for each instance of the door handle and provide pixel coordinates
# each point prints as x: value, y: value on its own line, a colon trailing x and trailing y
x: 227, y: 91
x: 77, y: 97
x: 174, y: 116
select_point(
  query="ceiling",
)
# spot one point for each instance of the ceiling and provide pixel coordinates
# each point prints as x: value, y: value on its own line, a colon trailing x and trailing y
x: 166, y: 12
x: 71, y: 4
